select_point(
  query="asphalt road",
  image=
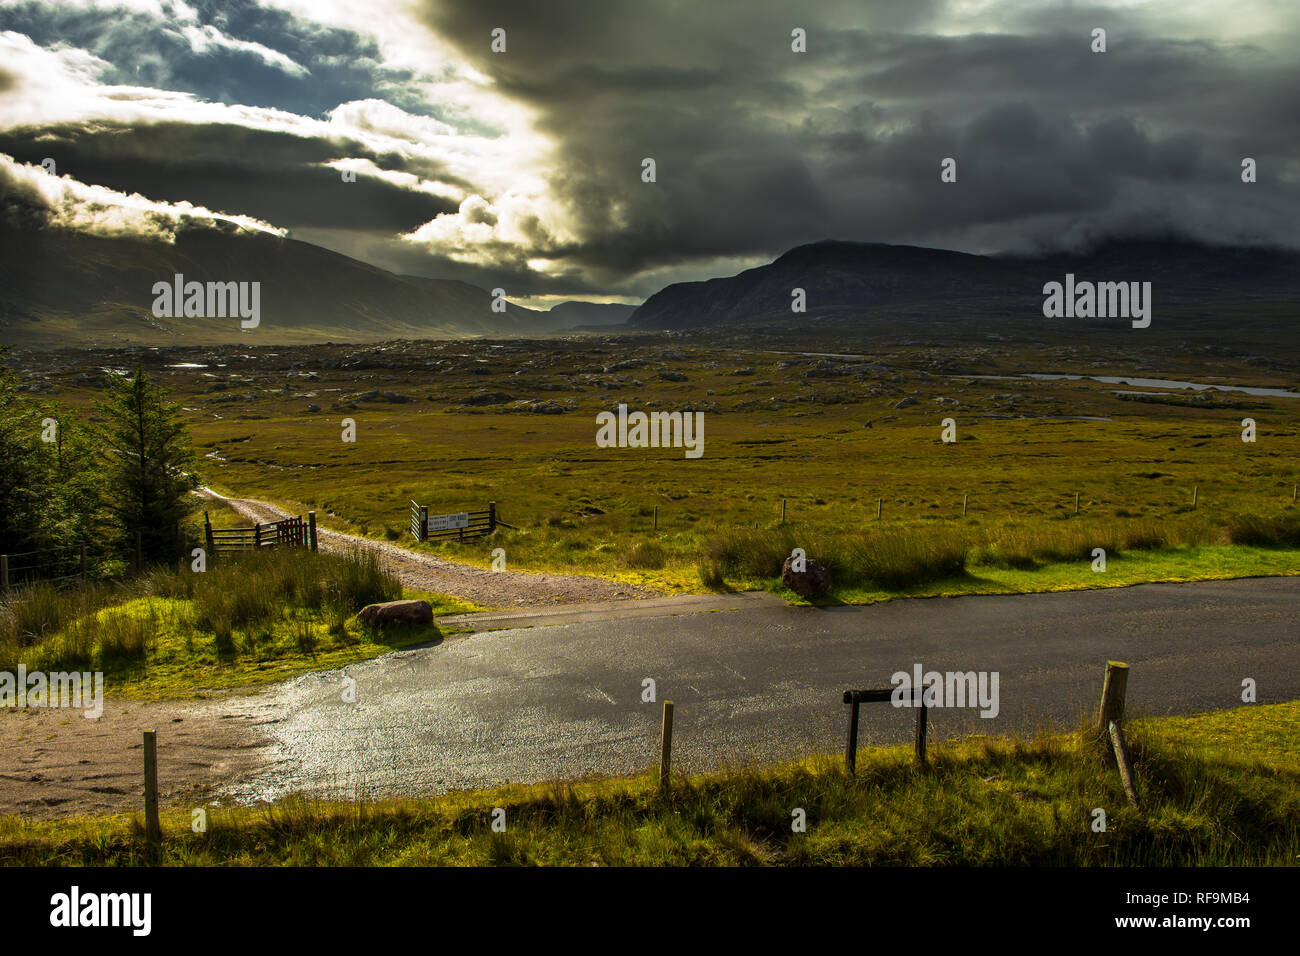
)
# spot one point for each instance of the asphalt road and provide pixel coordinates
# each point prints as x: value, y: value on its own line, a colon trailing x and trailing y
x: 760, y: 683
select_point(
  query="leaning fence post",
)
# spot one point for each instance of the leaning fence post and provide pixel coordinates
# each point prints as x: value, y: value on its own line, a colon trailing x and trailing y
x: 1124, y: 763
x: 1196, y: 491
x: 666, y: 748
x: 151, y: 828
x: 311, y: 530
x: 1112, y: 696
x: 963, y: 505
x: 880, y: 506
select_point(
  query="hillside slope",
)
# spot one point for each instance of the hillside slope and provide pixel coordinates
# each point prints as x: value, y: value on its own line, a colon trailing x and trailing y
x: 61, y: 288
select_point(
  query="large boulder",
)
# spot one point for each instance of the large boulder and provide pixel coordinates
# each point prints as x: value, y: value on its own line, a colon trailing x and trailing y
x: 811, y: 582
x: 396, y: 613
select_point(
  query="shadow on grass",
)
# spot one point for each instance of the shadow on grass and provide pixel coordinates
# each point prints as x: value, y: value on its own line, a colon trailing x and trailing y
x: 404, y: 636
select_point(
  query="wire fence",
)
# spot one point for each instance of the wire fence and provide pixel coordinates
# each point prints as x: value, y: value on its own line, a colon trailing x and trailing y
x: 60, y: 567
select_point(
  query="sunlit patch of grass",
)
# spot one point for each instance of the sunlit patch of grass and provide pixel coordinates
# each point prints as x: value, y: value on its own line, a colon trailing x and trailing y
x: 249, y: 619
x: 983, y: 802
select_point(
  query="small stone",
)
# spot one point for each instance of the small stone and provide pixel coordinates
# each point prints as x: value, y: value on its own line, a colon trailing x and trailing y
x: 810, y: 582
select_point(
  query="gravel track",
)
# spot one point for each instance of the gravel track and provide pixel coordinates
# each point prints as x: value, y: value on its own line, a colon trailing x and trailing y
x: 423, y: 572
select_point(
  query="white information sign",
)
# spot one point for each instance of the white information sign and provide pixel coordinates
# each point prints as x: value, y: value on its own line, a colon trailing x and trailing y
x: 448, y: 522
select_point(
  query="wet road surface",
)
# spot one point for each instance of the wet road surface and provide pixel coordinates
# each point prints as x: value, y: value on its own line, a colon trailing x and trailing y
x: 760, y: 683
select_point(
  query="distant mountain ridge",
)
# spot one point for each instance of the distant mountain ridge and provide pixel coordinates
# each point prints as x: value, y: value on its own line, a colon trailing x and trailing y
x: 574, y: 313
x: 59, y: 287
x: 855, y: 276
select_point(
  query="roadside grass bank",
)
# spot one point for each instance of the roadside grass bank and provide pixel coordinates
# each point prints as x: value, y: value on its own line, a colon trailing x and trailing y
x: 1217, y: 789
x: 887, y: 560
x: 248, y: 619
x: 1076, y: 554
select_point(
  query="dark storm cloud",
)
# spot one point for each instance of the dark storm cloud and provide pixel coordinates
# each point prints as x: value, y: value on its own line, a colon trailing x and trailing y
x: 759, y: 149
x: 234, y: 169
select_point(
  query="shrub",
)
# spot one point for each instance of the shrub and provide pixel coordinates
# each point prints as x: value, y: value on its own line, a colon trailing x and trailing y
x: 645, y: 555
x: 1272, y: 531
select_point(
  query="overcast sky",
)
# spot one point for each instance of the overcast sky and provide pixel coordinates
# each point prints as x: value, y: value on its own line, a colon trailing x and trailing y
x: 523, y: 169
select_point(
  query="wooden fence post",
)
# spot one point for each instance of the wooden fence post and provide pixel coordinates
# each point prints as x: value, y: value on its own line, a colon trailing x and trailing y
x: 666, y: 748
x: 656, y: 517
x: 851, y: 746
x: 151, y: 828
x: 492, y: 516
x: 4, y: 572
x: 1196, y: 490
x: 207, y: 536
x: 880, y: 507
x: 782, y: 511
x: 921, y: 721
x: 1076, y: 502
x: 1124, y: 763
x: 424, y: 522
x: 963, y: 504
x: 311, y: 530
x: 1113, y: 690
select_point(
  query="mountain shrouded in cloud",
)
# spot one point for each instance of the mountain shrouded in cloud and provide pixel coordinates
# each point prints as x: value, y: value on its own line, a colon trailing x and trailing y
x: 391, y: 131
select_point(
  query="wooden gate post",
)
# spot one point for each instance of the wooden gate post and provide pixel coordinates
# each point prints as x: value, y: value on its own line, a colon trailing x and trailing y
x: 207, y: 535
x: 311, y: 530
x: 151, y: 828
x: 1112, y: 696
x: 492, y: 516
x: 424, y: 522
